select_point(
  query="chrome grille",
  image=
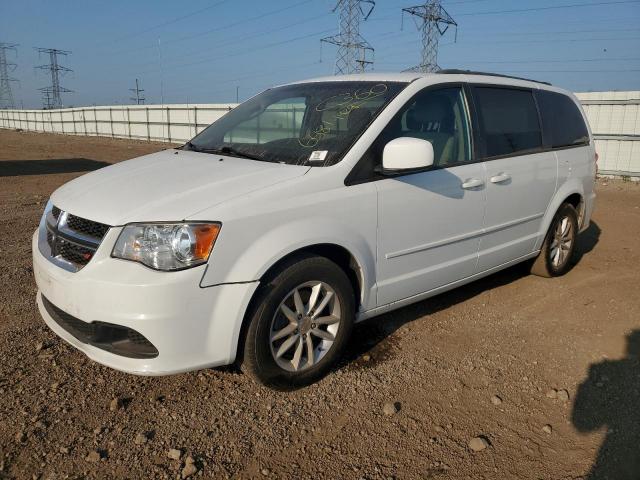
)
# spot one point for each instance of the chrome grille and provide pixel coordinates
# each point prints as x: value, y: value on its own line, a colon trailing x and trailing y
x: 68, y: 240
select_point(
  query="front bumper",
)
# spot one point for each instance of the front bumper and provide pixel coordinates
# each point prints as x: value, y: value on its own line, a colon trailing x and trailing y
x: 191, y: 327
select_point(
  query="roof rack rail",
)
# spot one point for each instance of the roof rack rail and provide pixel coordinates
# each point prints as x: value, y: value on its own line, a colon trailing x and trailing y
x: 471, y: 72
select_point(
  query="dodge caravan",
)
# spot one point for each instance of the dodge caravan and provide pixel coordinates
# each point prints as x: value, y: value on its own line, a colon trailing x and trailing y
x: 310, y: 207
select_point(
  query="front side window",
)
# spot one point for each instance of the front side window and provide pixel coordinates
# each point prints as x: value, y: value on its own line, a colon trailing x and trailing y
x: 437, y: 115
x: 508, y: 120
x: 304, y: 124
x: 563, y: 123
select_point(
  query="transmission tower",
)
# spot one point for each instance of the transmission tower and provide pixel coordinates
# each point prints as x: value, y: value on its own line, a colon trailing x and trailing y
x: 46, y: 99
x: 6, y: 96
x: 137, y: 91
x: 53, y: 92
x: 433, y: 21
x: 354, y: 54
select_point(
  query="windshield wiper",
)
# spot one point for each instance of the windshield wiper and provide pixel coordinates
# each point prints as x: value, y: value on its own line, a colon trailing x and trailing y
x: 226, y: 150
x: 232, y: 151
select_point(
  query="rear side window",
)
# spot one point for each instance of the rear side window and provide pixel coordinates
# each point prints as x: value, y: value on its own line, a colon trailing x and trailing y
x: 563, y: 123
x: 508, y: 120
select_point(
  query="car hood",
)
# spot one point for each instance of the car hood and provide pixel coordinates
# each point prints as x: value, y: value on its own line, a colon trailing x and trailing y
x: 171, y: 185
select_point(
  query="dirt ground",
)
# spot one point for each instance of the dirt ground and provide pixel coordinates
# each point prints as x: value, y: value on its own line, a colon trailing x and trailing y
x: 545, y: 371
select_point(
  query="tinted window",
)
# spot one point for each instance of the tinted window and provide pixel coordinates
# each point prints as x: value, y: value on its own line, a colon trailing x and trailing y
x: 563, y: 123
x: 508, y: 120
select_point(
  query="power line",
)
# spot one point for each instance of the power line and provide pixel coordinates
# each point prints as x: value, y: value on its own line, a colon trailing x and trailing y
x: 434, y: 22
x: 227, y: 26
x: 247, y: 50
x: 169, y: 22
x: 6, y: 95
x: 354, y: 53
x: 137, y: 91
x: 235, y: 40
x: 530, y: 41
x: 554, y: 7
x: 562, y: 61
x: 53, y: 97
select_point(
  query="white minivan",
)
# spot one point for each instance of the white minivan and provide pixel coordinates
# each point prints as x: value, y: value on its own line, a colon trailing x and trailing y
x: 310, y: 207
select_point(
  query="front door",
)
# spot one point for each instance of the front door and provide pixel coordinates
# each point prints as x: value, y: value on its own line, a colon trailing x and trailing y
x: 430, y: 223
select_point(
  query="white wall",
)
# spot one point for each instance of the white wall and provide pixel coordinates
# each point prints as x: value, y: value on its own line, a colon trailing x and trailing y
x: 165, y: 123
x: 614, y: 119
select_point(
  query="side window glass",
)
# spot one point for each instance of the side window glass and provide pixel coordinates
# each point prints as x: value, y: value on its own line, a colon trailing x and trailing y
x: 437, y: 115
x: 440, y: 117
x: 563, y: 123
x: 508, y: 120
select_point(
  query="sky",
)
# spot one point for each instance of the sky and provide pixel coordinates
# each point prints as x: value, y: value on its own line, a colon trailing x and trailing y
x: 209, y: 51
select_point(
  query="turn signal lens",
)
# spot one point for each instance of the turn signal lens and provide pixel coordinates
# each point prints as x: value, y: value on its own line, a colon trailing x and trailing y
x: 206, y: 236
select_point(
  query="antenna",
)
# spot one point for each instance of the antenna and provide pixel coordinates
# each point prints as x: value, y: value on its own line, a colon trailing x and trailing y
x: 433, y: 21
x: 138, y: 99
x: 6, y: 95
x: 354, y: 52
x: 52, y: 93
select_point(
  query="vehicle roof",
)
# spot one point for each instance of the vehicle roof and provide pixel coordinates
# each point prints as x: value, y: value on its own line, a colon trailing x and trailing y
x: 369, y: 77
x: 441, y: 77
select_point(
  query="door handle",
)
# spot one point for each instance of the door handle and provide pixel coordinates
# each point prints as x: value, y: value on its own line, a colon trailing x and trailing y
x: 472, y: 183
x: 501, y: 177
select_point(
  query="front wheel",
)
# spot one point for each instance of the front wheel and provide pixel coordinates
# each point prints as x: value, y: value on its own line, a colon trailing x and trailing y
x: 559, y: 244
x: 299, y: 324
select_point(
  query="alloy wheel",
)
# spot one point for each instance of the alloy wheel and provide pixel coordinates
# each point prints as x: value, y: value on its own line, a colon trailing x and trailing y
x: 563, y: 238
x: 305, y: 325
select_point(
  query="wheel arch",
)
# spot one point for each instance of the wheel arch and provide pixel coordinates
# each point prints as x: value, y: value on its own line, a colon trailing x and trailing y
x: 572, y: 193
x: 338, y: 254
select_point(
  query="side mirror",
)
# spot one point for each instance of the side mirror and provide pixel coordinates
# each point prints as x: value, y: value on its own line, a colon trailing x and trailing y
x: 406, y: 153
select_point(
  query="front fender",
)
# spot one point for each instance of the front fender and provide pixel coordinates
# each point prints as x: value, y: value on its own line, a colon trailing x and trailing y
x: 252, y: 260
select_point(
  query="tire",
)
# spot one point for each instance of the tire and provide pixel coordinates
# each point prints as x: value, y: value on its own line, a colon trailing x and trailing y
x: 275, y: 312
x: 551, y: 262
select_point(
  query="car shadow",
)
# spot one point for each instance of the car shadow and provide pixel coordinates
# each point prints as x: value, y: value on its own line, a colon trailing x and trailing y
x: 372, y: 340
x: 609, y: 399
x: 587, y: 241
x: 11, y: 168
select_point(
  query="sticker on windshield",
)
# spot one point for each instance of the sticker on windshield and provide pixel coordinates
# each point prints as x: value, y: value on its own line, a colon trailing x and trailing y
x: 318, y: 155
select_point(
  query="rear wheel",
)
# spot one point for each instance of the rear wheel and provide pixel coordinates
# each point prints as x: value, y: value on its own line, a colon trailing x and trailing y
x: 299, y: 324
x: 559, y: 244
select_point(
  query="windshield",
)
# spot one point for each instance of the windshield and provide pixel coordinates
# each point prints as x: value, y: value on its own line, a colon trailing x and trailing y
x: 305, y: 124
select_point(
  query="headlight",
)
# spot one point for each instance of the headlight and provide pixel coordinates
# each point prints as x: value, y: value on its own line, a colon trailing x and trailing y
x: 167, y: 246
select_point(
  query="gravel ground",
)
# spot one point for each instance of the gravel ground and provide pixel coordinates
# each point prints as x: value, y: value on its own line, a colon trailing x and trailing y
x: 513, y: 376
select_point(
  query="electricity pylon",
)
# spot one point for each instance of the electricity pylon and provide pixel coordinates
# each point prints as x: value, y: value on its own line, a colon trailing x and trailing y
x: 53, y: 92
x: 6, y: 95
x: 433, y: 21
x: 137, y: 91
x: 354, y: 54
